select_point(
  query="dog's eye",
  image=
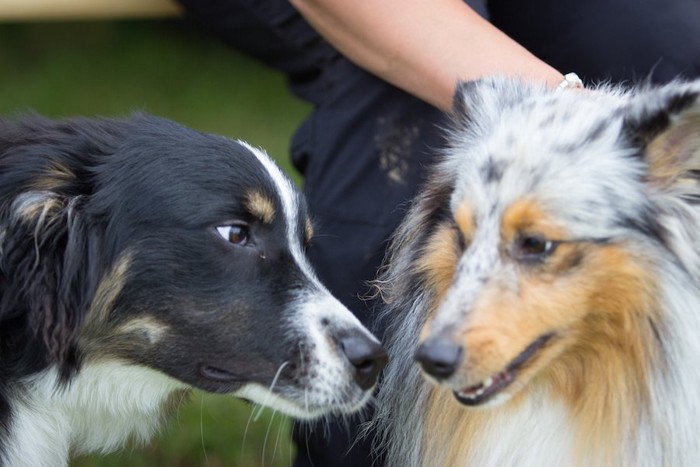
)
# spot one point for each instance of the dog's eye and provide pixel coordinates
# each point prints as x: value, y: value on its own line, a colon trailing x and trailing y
x: 234, y: 233
x: 532, y: 248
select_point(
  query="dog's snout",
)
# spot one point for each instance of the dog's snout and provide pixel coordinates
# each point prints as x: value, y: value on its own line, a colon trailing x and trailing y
x: 439, y: 358
x: 366, y: 356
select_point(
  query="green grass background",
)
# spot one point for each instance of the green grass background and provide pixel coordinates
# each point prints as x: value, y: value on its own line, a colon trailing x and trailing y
x: 170, y: 69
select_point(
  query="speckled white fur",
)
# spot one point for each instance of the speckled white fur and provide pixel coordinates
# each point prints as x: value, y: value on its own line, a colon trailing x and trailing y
x: 571, y: 151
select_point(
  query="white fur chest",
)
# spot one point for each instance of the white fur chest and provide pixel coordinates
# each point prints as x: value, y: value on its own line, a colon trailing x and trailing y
x: 104, y: 406
x: 536, y: 435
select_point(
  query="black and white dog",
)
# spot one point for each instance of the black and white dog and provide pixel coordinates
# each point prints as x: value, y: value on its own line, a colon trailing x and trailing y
x: 140, y: 259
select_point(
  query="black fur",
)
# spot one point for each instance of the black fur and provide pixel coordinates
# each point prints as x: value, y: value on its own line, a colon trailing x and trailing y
x: 48, y: 270
x: 111, y: 253
x: 643, y: 126
x: 143, y: 184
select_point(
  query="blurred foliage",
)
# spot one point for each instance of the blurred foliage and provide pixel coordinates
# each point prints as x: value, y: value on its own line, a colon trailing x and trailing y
x: 166, y: 68
x: 210, y: 431
x: 173, y: 70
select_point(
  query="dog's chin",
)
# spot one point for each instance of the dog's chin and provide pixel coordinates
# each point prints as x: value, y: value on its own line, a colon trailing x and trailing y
x: 303, y: 409
x: 500, y: 386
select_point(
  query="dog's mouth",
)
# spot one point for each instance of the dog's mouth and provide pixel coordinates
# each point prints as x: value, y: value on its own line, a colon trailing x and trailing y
x: 493, y: 385
x: 218, y: 374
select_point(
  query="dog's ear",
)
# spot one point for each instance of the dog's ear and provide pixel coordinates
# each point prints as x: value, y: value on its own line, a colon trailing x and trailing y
x: 49, y: 268
x: 664, y: 123
x: 476, y: 103
x: 465, y: 102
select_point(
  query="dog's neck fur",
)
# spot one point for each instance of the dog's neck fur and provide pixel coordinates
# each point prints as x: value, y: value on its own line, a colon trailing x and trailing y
x: 623, y: 411
x: 100, y: 409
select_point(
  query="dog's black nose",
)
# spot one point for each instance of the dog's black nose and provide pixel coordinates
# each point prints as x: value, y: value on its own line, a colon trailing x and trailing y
x: 439, y: 358
x: 368, y: 358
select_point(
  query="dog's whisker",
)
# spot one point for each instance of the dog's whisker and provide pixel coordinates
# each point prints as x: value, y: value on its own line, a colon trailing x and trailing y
x: 267, y: 434
x: 307, y: 430
x: 245, y: 431
x: 201, y: 427
x: 280, y: 425
x: 290, y: 440
x: 270, y: 389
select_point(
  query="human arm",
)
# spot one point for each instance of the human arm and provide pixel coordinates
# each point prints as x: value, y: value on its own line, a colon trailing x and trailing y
x: 422, y: 46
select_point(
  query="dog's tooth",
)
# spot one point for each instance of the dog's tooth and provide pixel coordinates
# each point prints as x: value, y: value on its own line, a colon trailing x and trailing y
x: 487, y: 382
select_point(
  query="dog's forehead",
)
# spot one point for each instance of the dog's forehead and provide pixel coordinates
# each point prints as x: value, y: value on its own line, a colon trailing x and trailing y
x: 282, y: 196
x: 562, y: 150
x: 197, y: 178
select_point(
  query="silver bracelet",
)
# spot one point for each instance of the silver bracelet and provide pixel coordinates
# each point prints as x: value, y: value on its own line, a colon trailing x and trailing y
x: 571, y: 81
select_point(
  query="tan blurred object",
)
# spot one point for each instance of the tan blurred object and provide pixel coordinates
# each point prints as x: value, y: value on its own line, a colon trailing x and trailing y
x: 29, y: 10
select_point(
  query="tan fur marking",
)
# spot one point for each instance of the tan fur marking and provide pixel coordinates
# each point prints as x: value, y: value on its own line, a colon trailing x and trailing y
x: 108, y: 290
x: 439, y: 260
x: 603, y: 373
x: 98, y: 340
x: 676, y: 151
x: 437, y: 264
x: 309, y: 230
x: 260, y: 206
x: 146, y: 326
x: 42, y: 208
x: 464, y: 218
x: 441, y: 254
x: 528, y: 216
x: 55, y: 176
